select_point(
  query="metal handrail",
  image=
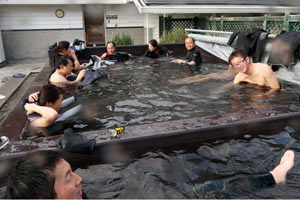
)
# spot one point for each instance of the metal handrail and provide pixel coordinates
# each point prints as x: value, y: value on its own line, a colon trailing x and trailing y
x: 207, y: 31
x: 218, y: 32
x: 4, y: 141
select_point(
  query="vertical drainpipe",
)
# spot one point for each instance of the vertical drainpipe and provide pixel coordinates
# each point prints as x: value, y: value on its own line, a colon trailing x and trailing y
x: 286, y: 21
x: 105, y: 25
x: 83, y: 22
x: 265, y: 23
x: 164, y: 23
x: 147, y: 20
x: 222, y: 23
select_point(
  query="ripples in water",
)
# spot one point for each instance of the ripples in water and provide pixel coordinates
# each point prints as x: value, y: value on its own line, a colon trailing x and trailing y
x: 139, y: 95
x: 172, y: 172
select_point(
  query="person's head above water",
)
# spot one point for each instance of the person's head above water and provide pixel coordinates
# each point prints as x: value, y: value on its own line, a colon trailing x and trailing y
x: 63, y: 48
x: 152, y: 45
x: 111, y: 47
x: 43, y: 175
x: 65, y: 65
x: 189, y: 43
x: 239, y: 60
x: 50, y: 96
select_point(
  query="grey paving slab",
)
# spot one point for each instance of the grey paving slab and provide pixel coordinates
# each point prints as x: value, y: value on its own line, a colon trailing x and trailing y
x: 20, y: 66
x: 10, y: 87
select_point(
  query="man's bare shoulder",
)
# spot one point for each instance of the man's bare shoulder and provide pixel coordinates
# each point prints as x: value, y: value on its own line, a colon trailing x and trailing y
x: 57, y: 78
x: 263, y: 68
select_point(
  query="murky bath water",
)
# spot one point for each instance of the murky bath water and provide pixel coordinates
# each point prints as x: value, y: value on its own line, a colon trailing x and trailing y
x: 172, y: 172
x: 140, y: 92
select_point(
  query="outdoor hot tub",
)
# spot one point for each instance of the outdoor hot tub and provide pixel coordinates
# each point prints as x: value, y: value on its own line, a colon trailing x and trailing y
x: 157, y: 114
x: 161, y: 109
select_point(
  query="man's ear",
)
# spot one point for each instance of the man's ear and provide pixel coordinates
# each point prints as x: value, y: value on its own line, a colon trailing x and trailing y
x: 248, y: 59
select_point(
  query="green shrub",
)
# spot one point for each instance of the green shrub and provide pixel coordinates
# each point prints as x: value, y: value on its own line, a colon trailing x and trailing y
x: 124, y: 39
x: 174, y: 36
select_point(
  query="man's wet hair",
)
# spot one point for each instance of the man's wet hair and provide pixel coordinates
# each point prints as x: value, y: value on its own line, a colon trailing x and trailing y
x: 62, y: 45
x: 153, y: 43
x: 191, y: 38
x: 64, y: 60
x: 49, y: 93
x: 33, y: 176
x: 237, y: 53
x: 111, y: 42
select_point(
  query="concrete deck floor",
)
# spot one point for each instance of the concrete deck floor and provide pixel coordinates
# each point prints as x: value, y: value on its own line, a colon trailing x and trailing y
x: 23, y: 66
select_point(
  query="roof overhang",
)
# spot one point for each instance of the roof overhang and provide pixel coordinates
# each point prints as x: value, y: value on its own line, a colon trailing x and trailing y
x: 200, y: 8
x: 43, y: 2
x: 222, y: 2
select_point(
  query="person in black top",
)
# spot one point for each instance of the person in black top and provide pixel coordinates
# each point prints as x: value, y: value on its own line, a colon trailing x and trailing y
x: 112, y: 54
x: 154, y: 50
x: 193, y: 57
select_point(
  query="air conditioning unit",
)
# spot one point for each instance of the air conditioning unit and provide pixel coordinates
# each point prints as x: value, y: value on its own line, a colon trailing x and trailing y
x: 2, y: 54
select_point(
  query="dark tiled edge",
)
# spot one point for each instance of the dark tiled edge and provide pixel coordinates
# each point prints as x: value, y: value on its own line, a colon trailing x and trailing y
x: 13, y: 125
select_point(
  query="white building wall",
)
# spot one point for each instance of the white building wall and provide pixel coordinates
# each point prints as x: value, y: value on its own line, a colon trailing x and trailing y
x: 40, y: 17
x: 153, y: 23
x: 128, y: 16
x: 21, y: 22
x: 28, y: 30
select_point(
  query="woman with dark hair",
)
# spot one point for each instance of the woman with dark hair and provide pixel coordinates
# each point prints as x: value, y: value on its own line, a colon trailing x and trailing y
x: 42, y: 107
x: 112, y: 54
x: 154, y: 50
x: 64, y: 49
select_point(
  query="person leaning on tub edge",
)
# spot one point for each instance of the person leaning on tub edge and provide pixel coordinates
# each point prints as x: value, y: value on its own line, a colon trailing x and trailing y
x: 240, y: 70
x: 64, y: 70
x: 155, y: 50
x: 42, y: 107
x: 112, y: 54
x: 43, y: 175
x: 193, y: 57
x: 253, y: 73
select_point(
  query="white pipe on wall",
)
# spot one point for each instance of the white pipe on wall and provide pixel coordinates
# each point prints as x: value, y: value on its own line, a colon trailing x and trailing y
x: 147, y: 30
